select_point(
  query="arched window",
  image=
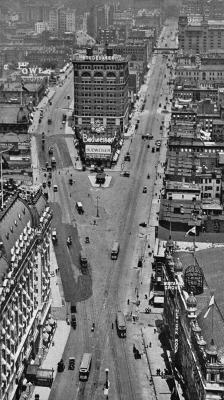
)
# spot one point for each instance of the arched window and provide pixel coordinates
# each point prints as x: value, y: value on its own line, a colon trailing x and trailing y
x: 111, y: 75
x: 98, y: 75
x: 86, y: 75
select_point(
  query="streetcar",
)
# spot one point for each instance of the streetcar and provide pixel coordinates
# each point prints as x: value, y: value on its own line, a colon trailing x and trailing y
x: 85, y: 366
x: 121, y: 325
x: 115, y: 251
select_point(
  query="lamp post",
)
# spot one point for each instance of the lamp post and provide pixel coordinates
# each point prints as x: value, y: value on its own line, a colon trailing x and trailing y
x: 97, y: 207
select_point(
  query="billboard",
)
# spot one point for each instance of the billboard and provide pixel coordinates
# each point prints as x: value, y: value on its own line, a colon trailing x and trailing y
x: 98, y: 150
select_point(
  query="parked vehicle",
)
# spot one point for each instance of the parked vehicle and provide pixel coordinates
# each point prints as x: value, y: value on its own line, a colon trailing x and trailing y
x: 50, y: 151
x: 144, y: 189
x: 54, y: 235
x: 49, y: 121
x: 61, y: 366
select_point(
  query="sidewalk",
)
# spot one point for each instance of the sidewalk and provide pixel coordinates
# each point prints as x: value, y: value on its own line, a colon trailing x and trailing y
x: 58, y: 311
x: 50, y: 356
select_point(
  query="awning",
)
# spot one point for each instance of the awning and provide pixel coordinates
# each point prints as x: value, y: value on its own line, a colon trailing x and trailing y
x: 45, y: 337
x: 48, y: 328
x: 51, y: 321
x: 3, y: 376
x: 158, y: 300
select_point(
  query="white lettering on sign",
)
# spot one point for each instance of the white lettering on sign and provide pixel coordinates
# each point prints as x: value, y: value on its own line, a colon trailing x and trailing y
x: 31, y: 70
x: 96, y: 139
x: 176, y: 332
x: 170, y: 285
x: 90, y: 149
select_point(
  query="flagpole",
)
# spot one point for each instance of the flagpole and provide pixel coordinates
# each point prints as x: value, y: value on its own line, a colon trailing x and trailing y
x: 212, y: 318
x: 21, y: 94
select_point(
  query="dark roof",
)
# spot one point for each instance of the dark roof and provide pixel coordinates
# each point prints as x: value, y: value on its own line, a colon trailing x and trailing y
x: 167, y: 211
x: 8, y: 226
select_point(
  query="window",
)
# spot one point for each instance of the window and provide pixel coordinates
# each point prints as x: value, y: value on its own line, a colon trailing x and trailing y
x: 212, y: 377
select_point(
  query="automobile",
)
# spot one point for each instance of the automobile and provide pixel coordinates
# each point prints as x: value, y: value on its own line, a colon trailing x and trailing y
x: 126, y: 173
x: 60, y: 366
x: 159, y: 104
x: 44, y: 184
x: 153, y: 149
x: 70, y: 181
x: 144, y: 189
x: 54, y: 235
x: 143, y: 224
x: 127, y: 157
x: 50, y: 151
x: 71, y: 363
x: 158, y: 142
x: 49, y: 121
x: 40, y: 120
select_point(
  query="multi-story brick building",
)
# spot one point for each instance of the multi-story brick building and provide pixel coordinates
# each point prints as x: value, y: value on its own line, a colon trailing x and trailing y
x: 101, y: 89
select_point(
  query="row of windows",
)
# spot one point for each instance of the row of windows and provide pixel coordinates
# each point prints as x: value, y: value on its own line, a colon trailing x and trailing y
x: 198, y: 150
x: 109, y: 114
x: 102, y: 108
x: 101, y: 101
x: 100, y: 88
x: 100, y: 66
x: 99, y: 80
x: 104, y: 95
x: 204, y: 74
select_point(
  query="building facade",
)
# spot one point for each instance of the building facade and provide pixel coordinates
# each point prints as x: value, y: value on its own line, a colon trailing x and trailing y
x: 101, y: 89
x: 196, y: 347
x: 99, y: 145
x: 24, y: 286
x: 199, y: 35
